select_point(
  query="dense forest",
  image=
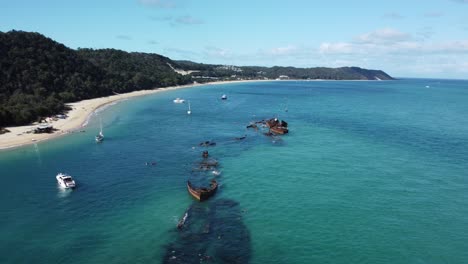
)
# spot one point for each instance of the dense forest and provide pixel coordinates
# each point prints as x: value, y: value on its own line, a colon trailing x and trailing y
x: 39, y: 75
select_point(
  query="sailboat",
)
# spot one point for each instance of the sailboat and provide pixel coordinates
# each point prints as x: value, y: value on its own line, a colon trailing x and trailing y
x: 189, y: 112
x: 100, y: 137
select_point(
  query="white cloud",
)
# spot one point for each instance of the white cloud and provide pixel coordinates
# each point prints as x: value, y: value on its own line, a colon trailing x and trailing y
x: 124, y: 37
x: 215, y: 52
x: 184, y: 53
x: 288, y: 50
x: 339, y: 47
x: 181, y: 20
x: 434, y: 14
x: 399, y: 54
x: 187, y: 20
x: 158, y: 3
x: 393, y: 15
x: 386, y: 35
x: 425, y: 33
x: 459, y: 46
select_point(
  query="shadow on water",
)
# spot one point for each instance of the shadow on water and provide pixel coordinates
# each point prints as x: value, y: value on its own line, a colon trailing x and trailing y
x: 213, y: 233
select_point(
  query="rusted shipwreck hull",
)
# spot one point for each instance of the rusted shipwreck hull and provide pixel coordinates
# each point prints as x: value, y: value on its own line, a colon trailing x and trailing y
x: 202, y: 194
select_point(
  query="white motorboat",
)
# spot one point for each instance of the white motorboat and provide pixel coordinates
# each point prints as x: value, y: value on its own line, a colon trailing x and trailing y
x: 65, y: 181
x: 189, y: 111
x: 179, y: 100
x: 224, y: 97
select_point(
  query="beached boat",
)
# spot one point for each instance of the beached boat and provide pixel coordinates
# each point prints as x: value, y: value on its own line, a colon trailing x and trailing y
x: 65, y: 181
x: 202, y: 194
x: 179, y: 100
x: 224, y: 97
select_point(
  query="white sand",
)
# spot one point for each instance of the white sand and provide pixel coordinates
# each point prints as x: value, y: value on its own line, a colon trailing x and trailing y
x: 76, y: 117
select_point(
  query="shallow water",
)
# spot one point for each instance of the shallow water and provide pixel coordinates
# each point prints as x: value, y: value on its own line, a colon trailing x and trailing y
x: 371, y: 172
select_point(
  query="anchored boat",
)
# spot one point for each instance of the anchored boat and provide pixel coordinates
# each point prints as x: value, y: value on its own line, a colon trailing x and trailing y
x: 179, y: 100
x: 99, y: 137
x: 65, y: 181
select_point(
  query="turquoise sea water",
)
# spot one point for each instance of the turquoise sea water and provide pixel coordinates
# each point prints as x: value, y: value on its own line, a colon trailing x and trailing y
x: 371, y: 172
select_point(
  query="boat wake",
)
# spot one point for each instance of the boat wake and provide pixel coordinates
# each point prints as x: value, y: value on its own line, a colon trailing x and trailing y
x: 63, y: 193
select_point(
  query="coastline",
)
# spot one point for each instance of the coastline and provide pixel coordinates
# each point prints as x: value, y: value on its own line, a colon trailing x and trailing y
x: 82, y: 110
x: 79, y: 115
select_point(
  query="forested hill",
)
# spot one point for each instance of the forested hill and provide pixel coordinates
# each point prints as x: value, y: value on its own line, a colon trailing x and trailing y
x: 38, y: 75
x: 257, y: 72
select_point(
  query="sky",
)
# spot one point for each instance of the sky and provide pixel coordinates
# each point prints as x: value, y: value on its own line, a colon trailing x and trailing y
x: 410, y: 38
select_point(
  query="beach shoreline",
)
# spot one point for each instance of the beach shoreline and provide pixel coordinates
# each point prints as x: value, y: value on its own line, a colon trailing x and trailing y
x: 80, y: 113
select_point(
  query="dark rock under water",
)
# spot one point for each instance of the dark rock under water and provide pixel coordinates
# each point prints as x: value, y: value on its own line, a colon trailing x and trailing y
x: 213, y: 233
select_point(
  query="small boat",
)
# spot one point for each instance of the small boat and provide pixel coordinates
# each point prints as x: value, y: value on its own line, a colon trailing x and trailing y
x: 202, y: 194
x: 224, y: 97
x: 65, y: 181
x: 179, y: 100
x: 99, y: 137
x: 189, y: 111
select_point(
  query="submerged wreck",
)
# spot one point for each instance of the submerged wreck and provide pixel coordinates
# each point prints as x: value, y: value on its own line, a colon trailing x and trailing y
x: 212, y: 232
x: 202, y: 194
x: 276, y: 126
x: 207, y: 144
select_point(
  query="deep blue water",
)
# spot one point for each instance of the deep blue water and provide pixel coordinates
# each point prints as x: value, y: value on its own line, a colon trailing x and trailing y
x: 371, y: 172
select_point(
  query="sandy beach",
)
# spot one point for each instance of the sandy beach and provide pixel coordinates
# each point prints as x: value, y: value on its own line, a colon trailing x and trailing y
x: 78, y: 116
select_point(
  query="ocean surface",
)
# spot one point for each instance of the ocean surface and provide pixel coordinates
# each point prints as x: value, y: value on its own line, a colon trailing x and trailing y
x: 371, y: 172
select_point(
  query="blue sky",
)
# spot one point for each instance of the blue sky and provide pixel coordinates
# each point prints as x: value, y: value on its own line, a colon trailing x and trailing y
x: 412, y: 38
